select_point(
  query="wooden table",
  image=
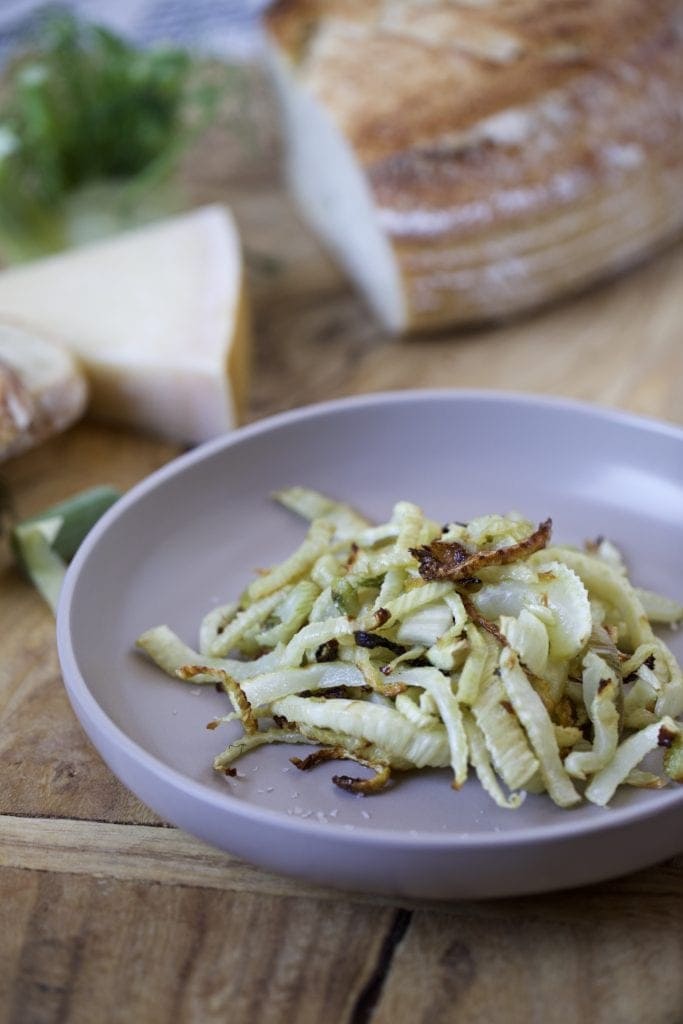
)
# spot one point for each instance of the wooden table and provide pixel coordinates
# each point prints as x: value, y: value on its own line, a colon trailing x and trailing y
x: 110, y: 915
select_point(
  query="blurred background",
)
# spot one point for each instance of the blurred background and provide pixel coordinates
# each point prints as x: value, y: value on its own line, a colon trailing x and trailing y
x: 167, y: 107
x: 229, y: 28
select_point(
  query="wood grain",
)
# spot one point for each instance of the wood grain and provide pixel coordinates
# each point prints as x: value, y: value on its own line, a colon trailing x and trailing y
x: 111, y: 917
x: 168, y: 856
x: 48, y: 761
x: 117, y: 952
x: 140, y: 853
x: 604, y: 962
x: 605, y: 953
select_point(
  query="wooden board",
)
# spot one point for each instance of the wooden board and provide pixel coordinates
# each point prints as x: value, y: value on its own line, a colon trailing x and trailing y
x: 110, y: 916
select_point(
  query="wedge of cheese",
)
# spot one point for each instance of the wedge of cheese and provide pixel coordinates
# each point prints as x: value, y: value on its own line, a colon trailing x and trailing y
x: 157, y: 318
x: 42, y: 389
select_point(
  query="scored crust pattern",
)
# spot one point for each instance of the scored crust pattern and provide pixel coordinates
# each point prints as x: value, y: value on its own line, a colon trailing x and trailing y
x: 511, y: 147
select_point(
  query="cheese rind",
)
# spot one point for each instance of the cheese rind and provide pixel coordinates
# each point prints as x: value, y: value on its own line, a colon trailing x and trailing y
x: 156, y: 317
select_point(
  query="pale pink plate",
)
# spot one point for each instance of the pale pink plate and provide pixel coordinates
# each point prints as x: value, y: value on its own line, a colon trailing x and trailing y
x: 190, y: 537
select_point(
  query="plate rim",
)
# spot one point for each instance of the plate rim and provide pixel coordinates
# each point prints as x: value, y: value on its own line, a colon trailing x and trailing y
x: 86, y: 705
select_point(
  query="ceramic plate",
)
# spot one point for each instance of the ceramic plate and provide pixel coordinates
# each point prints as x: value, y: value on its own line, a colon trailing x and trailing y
x: 190, y: 537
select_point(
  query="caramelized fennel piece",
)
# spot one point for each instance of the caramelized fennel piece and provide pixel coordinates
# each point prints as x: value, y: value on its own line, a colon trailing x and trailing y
x: 350, y: 784
x: 448, y: 560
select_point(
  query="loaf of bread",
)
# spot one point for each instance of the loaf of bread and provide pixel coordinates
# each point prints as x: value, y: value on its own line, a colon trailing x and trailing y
x: 42, y: 389
x: 469, y: 159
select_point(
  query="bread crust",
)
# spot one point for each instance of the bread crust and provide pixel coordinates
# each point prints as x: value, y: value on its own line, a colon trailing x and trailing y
x: 514, y: 150
x: 42, y: 389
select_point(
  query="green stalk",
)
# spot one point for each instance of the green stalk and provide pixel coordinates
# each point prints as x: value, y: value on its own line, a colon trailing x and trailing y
x: 45, y: 543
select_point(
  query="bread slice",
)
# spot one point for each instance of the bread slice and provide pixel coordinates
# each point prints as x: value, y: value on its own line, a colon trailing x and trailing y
x: 469, y: 159
x: 157, y: 318
x: 42, y: 389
